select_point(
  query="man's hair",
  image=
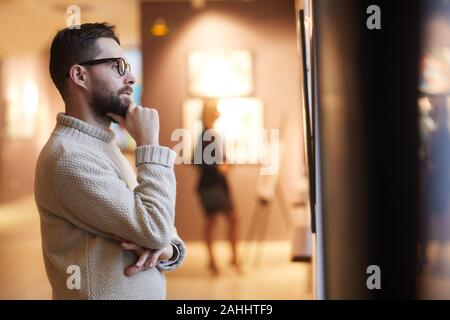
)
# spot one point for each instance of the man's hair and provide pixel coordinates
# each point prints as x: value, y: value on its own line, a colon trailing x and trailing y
x: 75, y: 45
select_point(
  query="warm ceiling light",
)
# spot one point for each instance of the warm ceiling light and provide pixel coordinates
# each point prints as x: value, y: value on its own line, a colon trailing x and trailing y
x: 159, y: 28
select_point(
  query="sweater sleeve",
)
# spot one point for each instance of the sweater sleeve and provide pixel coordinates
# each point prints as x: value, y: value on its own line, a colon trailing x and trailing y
x: 93, y: 197
x: 180, y: 249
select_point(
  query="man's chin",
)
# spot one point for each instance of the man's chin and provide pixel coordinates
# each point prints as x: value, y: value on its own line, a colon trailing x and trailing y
x: 122, y: 112
x: 126, y: 99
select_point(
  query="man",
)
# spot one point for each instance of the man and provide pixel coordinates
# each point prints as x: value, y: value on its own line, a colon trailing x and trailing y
x: 106, y: 234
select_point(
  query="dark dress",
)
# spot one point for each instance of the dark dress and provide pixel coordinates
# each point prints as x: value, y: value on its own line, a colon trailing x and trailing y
x: 212, y: 186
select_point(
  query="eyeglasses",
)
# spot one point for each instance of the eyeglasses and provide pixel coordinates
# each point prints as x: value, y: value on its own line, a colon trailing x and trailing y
x: 122, y: 65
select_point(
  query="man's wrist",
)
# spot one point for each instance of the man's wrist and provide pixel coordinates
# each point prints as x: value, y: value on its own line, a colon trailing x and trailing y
x: 174, y: 258
x: 175, y: 253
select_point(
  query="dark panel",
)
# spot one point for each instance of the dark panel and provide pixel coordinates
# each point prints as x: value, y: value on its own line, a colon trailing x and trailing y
x: 367, y: 109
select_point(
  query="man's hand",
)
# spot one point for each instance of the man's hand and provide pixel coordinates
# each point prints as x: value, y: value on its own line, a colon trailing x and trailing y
x: 147, y: 258
x: 141, y: 123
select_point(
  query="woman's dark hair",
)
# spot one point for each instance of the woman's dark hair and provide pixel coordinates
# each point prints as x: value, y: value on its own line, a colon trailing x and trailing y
x: 74, y: 45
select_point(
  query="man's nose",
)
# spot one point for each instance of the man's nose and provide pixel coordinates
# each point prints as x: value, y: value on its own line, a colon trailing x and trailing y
x: 129, y: 78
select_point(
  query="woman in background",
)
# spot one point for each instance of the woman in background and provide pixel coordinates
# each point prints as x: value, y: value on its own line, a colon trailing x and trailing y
x: 213, y: 188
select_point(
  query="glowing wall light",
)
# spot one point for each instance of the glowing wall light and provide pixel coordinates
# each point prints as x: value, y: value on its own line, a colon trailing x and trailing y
x: 219, y: 73
x: 22, y: 106
x: 240, y: 124
x: 23, y: 99
x: 435, y: 76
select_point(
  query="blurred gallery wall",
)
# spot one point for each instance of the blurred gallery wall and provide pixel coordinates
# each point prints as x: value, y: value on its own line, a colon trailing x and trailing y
x: 29, y: 102
x: 28, y: 99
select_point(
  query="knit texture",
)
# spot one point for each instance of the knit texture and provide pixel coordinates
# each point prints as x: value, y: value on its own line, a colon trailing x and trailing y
x: 87, y: 195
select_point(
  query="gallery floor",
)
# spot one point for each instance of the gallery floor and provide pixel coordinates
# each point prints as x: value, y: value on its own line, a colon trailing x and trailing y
x: 22, y: 273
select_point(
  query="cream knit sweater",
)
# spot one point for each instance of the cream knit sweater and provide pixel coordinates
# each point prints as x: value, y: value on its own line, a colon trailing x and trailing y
x: 87, y: 193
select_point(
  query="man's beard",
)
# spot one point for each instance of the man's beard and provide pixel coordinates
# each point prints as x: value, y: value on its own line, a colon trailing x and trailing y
x: 108, y: 102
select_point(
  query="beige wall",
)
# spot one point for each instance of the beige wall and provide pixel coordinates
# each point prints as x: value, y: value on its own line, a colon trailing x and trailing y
x: 267, y: 28
x: 26, y: 29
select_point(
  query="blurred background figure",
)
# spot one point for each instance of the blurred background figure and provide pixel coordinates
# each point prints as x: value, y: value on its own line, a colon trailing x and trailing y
x: 213, y: 188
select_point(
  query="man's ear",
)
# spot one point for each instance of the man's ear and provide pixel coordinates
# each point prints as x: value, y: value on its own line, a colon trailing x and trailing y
x: 78, y: 76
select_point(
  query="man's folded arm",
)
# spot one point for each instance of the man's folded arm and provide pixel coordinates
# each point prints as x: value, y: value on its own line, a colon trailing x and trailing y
x: 93, y: 197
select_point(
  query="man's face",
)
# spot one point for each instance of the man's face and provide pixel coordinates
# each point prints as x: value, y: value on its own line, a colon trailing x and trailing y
x: 110, y: 92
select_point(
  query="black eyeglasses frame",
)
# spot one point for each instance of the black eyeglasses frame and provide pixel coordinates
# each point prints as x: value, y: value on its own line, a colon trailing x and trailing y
x: 119, y: 60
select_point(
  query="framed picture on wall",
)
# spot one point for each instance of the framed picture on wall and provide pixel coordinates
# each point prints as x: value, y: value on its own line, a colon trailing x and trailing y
x: 222, y: 73
x: 307, y: 54
x: 239, y: 124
